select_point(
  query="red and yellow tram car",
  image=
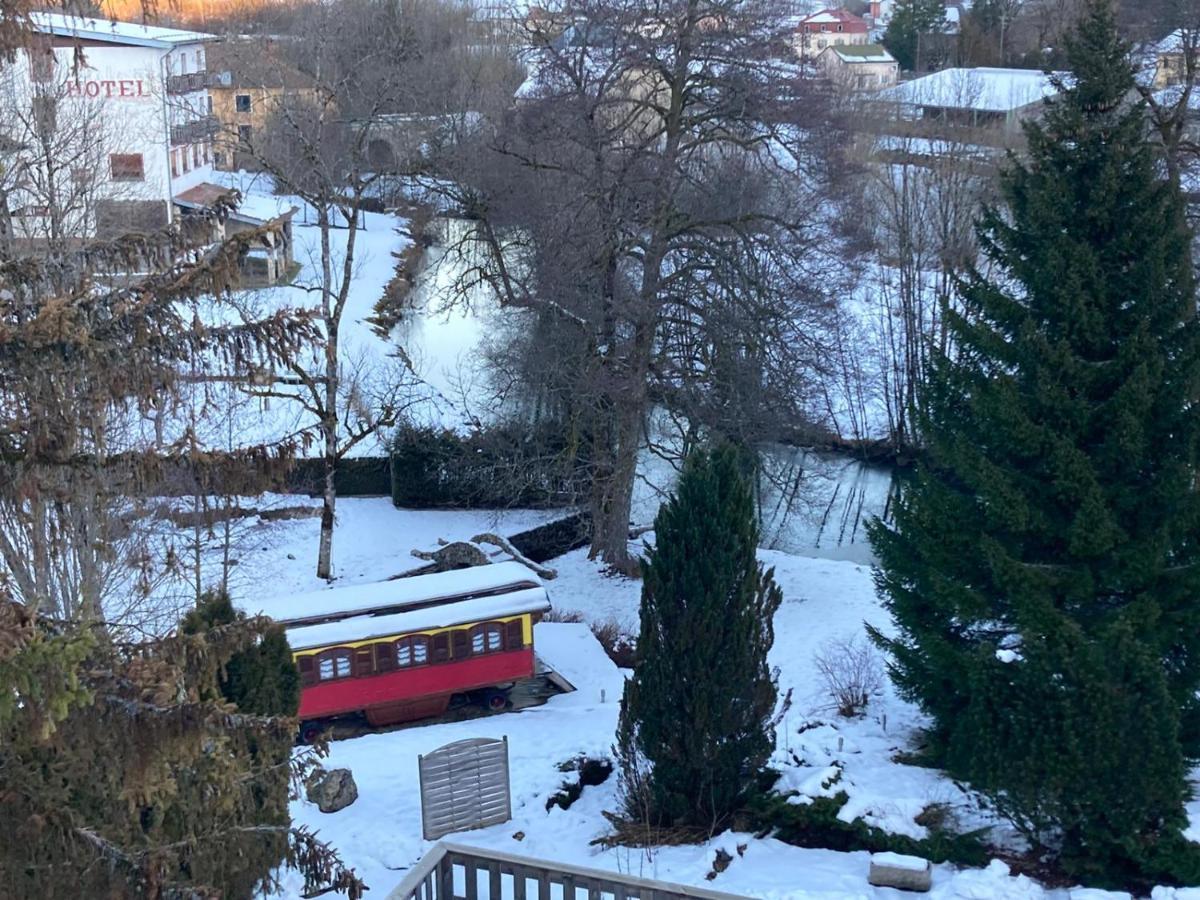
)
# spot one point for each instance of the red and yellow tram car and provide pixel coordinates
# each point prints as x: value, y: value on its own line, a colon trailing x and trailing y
x: 401, y: 650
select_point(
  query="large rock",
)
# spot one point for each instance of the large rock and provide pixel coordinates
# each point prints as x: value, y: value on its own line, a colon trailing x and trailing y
x: 332, y: 790
x: 908, y: 873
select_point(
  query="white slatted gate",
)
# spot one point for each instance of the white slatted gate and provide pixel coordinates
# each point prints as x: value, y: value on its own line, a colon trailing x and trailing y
x: 464, y: 785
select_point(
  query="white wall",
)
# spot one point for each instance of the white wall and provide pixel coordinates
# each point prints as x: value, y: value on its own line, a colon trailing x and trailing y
x: 122, y: 89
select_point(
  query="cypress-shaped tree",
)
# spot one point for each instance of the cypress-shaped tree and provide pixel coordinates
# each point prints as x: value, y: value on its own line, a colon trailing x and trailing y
x: 695, y: 727
x: 1055, y: 512
x: 262, y: 679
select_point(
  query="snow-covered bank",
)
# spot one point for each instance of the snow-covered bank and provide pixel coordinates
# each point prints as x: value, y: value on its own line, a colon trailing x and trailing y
x: 380, y: 834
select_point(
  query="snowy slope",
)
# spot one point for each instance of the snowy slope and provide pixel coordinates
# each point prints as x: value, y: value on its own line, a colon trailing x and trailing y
x: 380, y: 833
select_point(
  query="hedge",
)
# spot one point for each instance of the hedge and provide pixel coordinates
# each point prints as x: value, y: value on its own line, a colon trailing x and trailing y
x: 436, y: 468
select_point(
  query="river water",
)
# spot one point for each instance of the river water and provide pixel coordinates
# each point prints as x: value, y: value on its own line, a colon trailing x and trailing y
x: 811, y: 504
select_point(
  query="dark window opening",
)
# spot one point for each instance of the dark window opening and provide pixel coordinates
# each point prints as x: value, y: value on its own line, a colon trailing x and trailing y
x: 127, y: 167
x: 242, y: 103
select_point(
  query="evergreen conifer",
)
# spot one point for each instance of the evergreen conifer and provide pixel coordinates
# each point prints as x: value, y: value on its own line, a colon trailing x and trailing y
x: 695, y: 727
x: 911, y: 21
x: 1043, y: 568
x: 263, y: 679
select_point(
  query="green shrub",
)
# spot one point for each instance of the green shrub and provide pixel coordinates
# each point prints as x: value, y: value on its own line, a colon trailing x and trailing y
x: 262, y: 680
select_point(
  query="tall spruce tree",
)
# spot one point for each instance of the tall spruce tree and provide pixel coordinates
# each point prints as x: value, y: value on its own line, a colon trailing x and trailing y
x: 695, y: 726
x: 912, y: 22
x: 1053, y: 523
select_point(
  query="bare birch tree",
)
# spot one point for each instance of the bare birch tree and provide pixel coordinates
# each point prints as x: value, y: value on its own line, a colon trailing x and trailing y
x: 316, y: 144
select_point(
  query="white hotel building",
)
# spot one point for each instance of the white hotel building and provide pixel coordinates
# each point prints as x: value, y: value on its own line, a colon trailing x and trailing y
x: 109, y: 124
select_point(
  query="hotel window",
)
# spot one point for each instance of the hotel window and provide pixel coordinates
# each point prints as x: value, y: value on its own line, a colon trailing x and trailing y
x: 126, y: 167
x: 196, y: 155
x: 200, y: 60
x: 186, y: 160
x: 241, y: 103
x: 174, y: 163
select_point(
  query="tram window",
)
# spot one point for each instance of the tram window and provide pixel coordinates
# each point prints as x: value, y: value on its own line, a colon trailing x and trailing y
x: 514, y: 638
x: 487, y: 638
x: 441, y: 647
x: 403, y: 652
x: 334, y: 665
x: 420, y: 650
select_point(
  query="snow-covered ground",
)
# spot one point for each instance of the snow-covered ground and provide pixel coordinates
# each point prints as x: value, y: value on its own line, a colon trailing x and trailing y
x: 826, y: 600
x: 817, y: 752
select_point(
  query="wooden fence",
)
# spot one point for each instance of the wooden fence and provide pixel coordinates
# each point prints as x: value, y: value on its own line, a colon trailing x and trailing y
x: 464, y: 785
x: 456, y: 872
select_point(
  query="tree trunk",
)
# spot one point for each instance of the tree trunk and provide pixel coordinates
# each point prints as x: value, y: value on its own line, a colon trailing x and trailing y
x: 329, y: 420
x: 329, y: 501
x: 612, y: 486
x: 612, y: 491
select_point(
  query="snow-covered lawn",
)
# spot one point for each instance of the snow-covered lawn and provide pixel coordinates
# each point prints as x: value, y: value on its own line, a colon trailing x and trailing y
x: 380, y: 834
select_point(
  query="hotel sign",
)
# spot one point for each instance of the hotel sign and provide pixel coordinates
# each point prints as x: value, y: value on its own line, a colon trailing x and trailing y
x: 109, y: 88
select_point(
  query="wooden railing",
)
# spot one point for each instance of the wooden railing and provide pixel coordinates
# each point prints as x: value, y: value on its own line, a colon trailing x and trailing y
x: 457, y: 872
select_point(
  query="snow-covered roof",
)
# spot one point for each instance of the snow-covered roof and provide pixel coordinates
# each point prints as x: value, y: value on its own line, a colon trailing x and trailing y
x: 130, y: 33
x: 847, y: 20
x: 262, y: 208
x: 1176, y: 42
x: 982, y: 89
x: 445, y: 615
x: 396, y: 595
x: 861, y: 53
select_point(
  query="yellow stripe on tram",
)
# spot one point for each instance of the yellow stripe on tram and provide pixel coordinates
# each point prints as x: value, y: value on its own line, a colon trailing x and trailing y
x: 526, y: 634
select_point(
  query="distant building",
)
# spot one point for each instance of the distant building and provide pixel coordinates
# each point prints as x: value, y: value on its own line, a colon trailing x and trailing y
x: 140, y: 94
x: 859, y: 67
x: 828, y: 28
x: 251, y: 79
x: 126, y: 113
x: 976, y: 98
x: 271, y: 257
x: 1169, y: 58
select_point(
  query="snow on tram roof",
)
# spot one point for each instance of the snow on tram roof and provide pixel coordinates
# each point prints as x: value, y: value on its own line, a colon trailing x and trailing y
x: 365, y: 628
x: 439, y: 587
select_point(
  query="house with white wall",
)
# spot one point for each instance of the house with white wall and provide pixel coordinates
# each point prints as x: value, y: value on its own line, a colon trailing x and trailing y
x: 116, y: 111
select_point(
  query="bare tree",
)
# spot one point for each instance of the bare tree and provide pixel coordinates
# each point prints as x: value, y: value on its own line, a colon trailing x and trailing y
x: 652, y: 203
x: 316, y: 144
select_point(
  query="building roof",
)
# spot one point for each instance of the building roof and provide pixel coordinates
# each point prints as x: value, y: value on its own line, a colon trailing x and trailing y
x: 256, y: 63
x: 860, y: 53
x: 848, y: 21
x: 982, y: 89
x: 254, y: 209
x: 127, y: 33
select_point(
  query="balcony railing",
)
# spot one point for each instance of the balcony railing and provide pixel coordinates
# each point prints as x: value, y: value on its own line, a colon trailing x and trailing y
x: 198, y: 81
x: 184, y: 84
x: 509, y: 877
x: 195, y: 131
